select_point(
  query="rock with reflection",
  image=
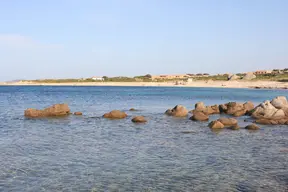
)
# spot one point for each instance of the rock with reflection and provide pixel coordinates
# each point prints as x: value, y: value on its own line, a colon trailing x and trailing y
x: 115, y: 114
x: 177, y: 111
x: 53, y: 111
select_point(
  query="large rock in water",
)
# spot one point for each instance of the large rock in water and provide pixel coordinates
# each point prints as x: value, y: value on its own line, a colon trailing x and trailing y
x: 228, y: 121
x: 236, y: 109
x: 272, y: 112
x: 249, y: 76
x: 115, y: 114
x: 177, y: 111
x: 207, y: 110
x: 216, y: 125
x: 53, y: 111
x: 199, y: 116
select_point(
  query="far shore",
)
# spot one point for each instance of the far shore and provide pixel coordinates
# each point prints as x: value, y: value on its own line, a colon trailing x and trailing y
x: 216, y: 84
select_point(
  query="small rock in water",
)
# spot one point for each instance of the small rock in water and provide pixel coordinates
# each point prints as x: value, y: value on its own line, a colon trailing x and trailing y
x: 78, y: 113
x: 188, y: 132
x: 252, y: 127
x: 115, y: 114
x: 132, y: 109
x: 234, y: 127
x: 139, y: 119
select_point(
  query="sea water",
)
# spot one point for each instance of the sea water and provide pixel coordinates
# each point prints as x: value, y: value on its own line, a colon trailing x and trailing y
x: 89, y: 153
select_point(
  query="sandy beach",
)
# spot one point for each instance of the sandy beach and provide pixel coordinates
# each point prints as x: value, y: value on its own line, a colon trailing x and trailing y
x: 219, y: 84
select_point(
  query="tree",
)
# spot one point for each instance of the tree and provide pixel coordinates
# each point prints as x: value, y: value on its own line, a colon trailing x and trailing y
x: 105, y: 77
x: 148, y: 76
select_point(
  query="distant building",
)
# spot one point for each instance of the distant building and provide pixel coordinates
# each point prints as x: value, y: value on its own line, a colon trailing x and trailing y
x: 97, y: 78
x: 261, y: 72
x: 167, y: 77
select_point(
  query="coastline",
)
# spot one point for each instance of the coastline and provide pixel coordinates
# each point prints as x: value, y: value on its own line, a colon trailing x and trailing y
x: 212, y: 84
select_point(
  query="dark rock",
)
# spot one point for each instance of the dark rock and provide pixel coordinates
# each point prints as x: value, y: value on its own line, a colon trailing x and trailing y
x: 252, y: 127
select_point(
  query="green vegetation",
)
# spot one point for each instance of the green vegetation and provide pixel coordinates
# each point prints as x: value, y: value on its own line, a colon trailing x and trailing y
x: 273, y: 77
x: 282, y: 77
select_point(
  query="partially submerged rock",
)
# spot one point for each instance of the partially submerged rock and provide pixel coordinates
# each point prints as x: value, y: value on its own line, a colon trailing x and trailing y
x: 177, y: 111
x: 234, y: 127
x: 228, y: 121
x: 115, y: 114
x: 132, y: 109
x: 199, y: 116
x: 53, y: 111
x: 78, y: 113
x: 216, y: 125
x: 236, y: 109
x: 208, y: 110
x: 273, y: 112
x: 252, y: 127
x: 139, y: 119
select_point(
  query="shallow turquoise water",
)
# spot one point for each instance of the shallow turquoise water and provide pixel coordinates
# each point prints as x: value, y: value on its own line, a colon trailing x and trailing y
x: 90, y: 153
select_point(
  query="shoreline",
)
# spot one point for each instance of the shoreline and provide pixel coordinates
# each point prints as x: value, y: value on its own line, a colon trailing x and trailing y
x: 208, y: 84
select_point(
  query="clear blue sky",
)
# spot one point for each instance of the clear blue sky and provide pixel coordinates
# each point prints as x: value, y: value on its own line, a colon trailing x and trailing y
x: 83, y: 38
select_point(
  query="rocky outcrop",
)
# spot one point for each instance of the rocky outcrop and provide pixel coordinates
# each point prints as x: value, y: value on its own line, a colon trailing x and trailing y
x: 53, y: 111
x: 199, y: 116
x: 139, y: 119
x: 216, y: 125
x: 252, y: 127
x: 208, y: 110
x: 78, y: 113
x: 272, y: 112
x: 115, y: 114
x: 177, y: 111
x: 249, y: 76
x: 233, y: 77
x: 236, y: 109
x: 132, y: 109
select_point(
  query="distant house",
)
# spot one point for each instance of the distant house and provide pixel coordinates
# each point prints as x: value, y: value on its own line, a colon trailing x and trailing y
x: 97, y: 78
x: 169, y: 77
x: 262, y: 72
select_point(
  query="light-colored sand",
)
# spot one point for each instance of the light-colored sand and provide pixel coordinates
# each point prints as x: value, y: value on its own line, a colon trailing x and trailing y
x: 223, y: 84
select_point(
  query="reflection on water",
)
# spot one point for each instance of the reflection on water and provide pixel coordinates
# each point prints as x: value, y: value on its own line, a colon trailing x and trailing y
x: 165, y: 154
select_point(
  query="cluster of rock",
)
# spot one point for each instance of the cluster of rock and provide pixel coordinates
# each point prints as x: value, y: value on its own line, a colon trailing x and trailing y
x: 273, y: 112
x: 116, y: 114
x: 53, y: 111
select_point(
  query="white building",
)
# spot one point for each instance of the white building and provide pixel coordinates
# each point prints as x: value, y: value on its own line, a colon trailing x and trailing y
x: 98, y: 78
